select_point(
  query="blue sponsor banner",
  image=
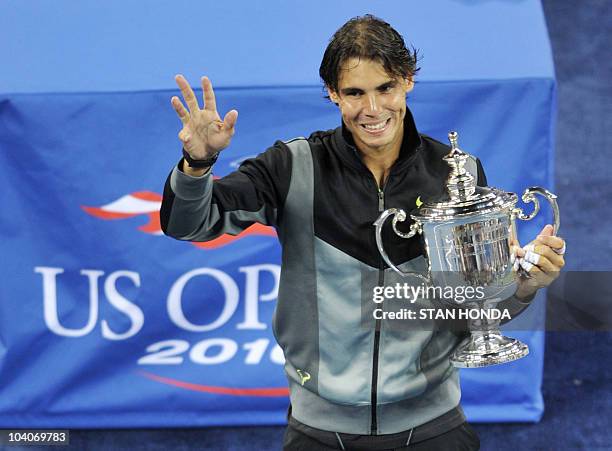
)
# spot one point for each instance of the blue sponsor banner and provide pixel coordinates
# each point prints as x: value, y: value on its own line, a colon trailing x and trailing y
x: 104, y: 322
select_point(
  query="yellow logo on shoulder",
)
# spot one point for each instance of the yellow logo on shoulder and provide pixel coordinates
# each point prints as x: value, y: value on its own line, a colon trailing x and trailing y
x: 419, y: 202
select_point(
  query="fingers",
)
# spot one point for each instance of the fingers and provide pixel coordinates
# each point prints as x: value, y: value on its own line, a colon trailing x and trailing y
x: 543, y: 257
x: 229, y: 121
x: 547, y: 230
x: 546, y: 237
x: 529, y: 266
x: 559, y: 251
x: 210, y: 103
x: 187, y: 93
x: 533, y: 260
x: 517, y: 251
x: 552, y: 241
x: 545, y: 253
x: 182, y: 112
x: 533, y: 250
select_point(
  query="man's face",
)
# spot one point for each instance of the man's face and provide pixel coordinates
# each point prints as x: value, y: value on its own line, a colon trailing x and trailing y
x: 373, y: 104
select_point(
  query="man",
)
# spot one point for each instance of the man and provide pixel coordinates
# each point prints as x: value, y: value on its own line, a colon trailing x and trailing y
x: 355, y: 382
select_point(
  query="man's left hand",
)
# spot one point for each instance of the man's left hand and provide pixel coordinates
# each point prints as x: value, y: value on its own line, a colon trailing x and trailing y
x: 542, y: 259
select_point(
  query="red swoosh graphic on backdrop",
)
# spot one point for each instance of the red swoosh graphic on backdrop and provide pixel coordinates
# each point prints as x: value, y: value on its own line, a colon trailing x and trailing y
x: 259, y: 392
x: 147, y: 203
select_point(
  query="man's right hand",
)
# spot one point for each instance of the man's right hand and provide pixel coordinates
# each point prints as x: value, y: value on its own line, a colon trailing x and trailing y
x: 203, y: 133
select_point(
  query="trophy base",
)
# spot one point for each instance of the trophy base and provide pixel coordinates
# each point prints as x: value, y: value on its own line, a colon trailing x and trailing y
x: 486, y: 350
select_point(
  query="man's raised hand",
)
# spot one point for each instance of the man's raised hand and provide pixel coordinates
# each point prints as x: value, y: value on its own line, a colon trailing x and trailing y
x: 203, y: 133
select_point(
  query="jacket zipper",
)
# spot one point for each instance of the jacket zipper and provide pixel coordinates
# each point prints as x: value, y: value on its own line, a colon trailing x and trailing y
x: 381, y: 281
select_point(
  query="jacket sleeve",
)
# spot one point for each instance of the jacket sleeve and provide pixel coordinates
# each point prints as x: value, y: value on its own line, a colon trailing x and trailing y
x: 202, y: 208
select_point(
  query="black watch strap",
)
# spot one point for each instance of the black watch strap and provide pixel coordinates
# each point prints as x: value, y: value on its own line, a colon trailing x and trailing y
x: 206, y: 163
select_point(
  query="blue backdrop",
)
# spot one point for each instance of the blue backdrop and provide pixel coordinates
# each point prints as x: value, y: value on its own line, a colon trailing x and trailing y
x: 103, y: 322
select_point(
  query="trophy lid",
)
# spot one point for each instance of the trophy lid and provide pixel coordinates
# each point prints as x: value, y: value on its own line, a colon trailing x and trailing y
x: 462, y: 197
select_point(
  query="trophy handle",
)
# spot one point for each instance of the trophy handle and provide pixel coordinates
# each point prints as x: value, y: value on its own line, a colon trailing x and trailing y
x: 529, y: 197
x: 399, y: 215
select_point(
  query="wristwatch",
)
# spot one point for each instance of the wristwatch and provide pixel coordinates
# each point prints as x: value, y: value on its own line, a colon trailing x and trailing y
x: 207, y: 162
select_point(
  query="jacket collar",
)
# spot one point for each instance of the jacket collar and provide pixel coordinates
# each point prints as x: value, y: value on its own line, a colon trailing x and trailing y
x: 411, y: 144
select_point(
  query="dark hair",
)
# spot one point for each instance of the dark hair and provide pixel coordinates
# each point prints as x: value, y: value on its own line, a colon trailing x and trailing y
x: 371, y: 38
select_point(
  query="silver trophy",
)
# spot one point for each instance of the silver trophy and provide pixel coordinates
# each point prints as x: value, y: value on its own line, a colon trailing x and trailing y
x: 467, y: 236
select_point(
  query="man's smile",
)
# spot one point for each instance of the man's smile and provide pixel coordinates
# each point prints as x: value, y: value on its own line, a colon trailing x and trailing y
x: 376, y: 128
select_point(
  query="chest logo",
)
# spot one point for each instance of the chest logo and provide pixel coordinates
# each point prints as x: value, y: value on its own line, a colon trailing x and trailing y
x: 419, y: 202
x: 304, y: 376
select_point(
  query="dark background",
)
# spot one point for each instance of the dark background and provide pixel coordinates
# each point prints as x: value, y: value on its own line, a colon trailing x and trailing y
x: 577, y: 383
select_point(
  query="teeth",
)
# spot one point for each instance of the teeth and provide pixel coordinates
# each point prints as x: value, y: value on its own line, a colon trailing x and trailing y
x: 378, y: 126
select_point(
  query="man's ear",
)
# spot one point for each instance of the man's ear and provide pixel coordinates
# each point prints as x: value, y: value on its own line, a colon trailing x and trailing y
x: 409, y: 84
x: 333, y: 96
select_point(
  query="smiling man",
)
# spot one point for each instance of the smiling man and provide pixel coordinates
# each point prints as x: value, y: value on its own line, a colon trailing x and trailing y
x: 355, y: 381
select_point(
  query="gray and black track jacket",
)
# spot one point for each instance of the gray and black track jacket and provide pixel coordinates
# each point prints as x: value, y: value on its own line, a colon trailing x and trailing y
x: 347, y: 371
